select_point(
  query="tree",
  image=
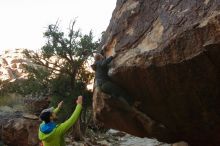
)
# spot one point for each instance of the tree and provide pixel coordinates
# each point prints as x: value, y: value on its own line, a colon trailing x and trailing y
x: 62, y: 63
x: 66, y: 55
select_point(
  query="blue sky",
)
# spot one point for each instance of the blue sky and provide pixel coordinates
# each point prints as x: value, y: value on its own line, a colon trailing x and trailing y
x: 22, y: 22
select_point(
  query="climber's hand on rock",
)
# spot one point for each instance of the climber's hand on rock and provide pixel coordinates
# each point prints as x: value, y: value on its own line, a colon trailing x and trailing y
x: 104, y: 48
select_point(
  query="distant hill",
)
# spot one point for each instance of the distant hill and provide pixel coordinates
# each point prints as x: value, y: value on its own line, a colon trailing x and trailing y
x: 11, y: 65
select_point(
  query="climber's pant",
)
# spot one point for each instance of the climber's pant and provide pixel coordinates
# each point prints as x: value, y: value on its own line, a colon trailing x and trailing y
x: 111, y: 88
x: 114, y: 90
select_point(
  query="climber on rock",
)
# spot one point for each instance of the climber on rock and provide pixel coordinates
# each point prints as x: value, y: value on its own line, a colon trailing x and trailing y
x: 52, y: 134
x: 101, y: 67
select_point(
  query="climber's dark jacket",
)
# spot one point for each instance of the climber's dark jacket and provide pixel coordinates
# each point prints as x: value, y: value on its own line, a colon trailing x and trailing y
x: 101, y: 70
x: 104, y: 82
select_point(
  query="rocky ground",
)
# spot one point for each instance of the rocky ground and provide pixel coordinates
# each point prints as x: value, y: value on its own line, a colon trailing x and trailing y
x: 16, y: 118
x: 115, y: 138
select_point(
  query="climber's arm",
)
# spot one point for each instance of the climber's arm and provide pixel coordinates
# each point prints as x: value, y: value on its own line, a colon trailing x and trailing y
x: 73, y: 118
x: 57, y: 109
x: 107, y: 61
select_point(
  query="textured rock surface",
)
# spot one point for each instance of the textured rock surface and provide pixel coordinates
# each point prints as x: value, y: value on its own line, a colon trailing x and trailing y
x: 168, y: 59
x: 11, y: 67
x: 17, y: 130
x: 19, y: 120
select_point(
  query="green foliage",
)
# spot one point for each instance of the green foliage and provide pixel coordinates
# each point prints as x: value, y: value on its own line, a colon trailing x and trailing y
x: 13, y: 101
x: 62, y: 60
x: 59, y: 69
x: 37, y: 82
x: 62, y: 65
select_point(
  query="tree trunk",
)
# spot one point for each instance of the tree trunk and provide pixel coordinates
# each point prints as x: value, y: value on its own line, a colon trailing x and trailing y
x: 76, y: 131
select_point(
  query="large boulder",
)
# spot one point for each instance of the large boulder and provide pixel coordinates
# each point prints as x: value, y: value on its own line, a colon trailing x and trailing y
x: 19, y: 122
x: 18, y: 130
x: 168, y: 59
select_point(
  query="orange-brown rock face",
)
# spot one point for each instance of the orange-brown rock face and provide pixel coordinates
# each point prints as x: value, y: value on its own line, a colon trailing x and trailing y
x: 168, y: 59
